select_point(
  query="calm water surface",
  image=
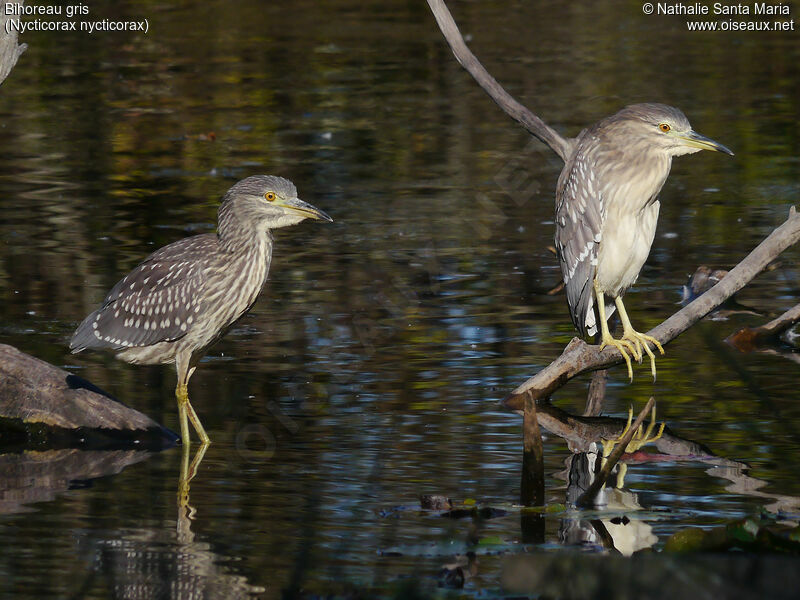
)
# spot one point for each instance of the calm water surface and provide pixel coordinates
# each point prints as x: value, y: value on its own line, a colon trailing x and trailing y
x: 370, y: 370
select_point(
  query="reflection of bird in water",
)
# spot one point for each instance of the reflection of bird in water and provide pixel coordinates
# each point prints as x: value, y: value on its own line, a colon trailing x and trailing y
x: 641, y: 437
x: 182, y: 298
x: 629, y: 535
x: 150, y: 563
x: 619, y: 532
x: 606, y: 213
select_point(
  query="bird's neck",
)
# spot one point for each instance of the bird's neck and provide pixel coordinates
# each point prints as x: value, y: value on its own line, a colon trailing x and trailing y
x: 643, y: 161
x: 238, y: 232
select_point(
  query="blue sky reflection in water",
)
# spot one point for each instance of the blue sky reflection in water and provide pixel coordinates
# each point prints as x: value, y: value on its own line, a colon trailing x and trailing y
x: 370, y: 370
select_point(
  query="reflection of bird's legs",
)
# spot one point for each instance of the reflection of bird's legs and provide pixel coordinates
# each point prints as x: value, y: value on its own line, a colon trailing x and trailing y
x: 188, y: 470
x: 640, y: 438
x: 639, y: 339
x: 185, y: 510
x: 624, y: 346
x: 608, y: 445
x: 186, y: 412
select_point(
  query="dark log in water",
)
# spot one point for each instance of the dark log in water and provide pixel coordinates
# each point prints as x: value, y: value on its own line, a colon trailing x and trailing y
x: 51, y: 406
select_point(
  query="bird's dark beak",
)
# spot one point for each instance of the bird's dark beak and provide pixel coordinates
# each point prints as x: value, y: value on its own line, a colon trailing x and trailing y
x: 697, y: 140
x: 306, y: 210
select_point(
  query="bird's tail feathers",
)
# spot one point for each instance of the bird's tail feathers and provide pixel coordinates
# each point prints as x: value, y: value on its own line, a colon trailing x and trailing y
x: 590, y: 317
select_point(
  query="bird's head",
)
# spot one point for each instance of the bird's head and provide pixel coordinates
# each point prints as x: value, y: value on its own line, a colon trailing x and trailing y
x: 269, y: 202
x: 661, y: 127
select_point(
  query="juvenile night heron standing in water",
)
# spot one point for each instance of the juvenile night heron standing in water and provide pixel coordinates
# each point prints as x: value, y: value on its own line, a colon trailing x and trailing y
x: 606, y: 212
x: 184, y: 297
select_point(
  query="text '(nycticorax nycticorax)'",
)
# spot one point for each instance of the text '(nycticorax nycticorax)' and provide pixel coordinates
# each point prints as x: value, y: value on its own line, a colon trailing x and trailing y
x: 606, y: 212
x: 183, y: 298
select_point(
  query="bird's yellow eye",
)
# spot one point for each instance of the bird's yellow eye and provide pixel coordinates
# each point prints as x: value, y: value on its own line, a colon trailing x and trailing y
x: 664, y: 127
x: 270, y: 196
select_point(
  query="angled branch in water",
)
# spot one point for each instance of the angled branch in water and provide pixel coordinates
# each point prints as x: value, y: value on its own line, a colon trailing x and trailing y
x: 579, y: 357
x: 748, y: 338
x: 504, y: 100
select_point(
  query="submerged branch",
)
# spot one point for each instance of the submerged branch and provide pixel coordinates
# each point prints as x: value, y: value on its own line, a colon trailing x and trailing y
x: 504, y: 100
x: 597, y: 394
x: 532, y: 485
x: 748, y: 338
x: 581, y: 432
x: 579, y: 357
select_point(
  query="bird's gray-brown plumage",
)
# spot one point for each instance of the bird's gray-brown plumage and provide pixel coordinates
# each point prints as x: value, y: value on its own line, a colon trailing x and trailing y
x: 607, y: 209
x: 185, y: 296
x: 606, y: 201
x: 607, y: 195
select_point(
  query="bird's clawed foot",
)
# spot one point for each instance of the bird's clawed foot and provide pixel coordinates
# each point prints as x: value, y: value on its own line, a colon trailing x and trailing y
x: 625, y: 347
x: 640, y: 340
x: 630, y: 345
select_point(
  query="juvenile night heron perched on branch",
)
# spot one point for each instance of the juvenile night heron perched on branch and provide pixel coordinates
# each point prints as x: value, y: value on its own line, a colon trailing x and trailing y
x: 606, y: 199
x: 184, y: 297
x: 606, y: 213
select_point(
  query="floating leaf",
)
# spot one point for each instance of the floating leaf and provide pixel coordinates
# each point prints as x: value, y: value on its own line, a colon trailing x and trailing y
x: 686, y: 540
x: 491, y: 540
x: 743, y: 531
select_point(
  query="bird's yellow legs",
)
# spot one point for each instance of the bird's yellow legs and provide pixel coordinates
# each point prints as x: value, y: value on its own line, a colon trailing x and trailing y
x: 631, y: 342
x: 186, y: 413
x: 641, y: 438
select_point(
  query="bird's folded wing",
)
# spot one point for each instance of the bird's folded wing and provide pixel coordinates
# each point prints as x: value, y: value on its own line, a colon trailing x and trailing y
x: 579, y: 221
x: 156, y: 302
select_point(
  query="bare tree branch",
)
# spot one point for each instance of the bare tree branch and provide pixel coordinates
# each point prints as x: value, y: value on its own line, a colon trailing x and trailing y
x: 10, y: 51
x: 504, y: 100
x: 579, y: 357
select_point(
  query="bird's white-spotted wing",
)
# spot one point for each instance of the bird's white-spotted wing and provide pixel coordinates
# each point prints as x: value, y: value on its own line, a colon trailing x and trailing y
x: 158, y: 301
x: 579, y: 223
